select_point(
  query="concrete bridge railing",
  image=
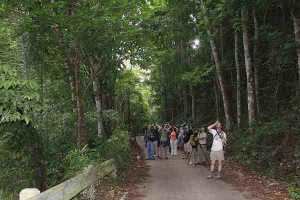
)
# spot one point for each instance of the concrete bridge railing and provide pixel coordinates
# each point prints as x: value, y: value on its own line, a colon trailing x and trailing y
x: 74, y: 186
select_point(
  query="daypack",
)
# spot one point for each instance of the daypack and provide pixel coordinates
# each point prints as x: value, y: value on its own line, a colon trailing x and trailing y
x: 194, y: 140
x: 151, y: 136
x: 209, y: 141
x: 187, y: 135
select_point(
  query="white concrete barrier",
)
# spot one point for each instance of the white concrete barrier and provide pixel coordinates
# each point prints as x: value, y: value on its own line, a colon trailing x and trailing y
x: 28, y: 193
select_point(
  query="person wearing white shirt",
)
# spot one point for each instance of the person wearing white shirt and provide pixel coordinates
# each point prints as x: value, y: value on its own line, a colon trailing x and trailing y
x: 217, y: 149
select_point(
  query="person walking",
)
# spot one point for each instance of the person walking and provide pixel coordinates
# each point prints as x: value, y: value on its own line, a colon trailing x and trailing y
x: 156, y: 141
x: 194, y: 143
x: 180, y: 139
x: 164, y: 140
x: 217, y: 148
x: 173, y: 142
x: 149, y: 138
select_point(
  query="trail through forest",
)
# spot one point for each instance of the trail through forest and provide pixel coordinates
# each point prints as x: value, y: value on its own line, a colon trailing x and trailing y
x: 173, y: 179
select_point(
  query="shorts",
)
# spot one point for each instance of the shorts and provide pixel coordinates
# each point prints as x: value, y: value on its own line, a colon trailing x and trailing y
x: 217, y: 155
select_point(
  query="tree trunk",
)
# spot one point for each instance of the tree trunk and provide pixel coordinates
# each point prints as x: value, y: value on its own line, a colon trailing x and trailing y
x: 249, y: 68
x: 217, y: 100
x: 163, y: 98
x: 238, y: 79
x: 93, y: 67
x: 221, y: 82
x: 193, y: 103
x: 38, y: 164
x: 70, y: 73
x: 185, y: 103
x: 255, y: 61
x: 80, y: 126
x: 296, y: 21
x: 218, y: 64
x: 25, y: 52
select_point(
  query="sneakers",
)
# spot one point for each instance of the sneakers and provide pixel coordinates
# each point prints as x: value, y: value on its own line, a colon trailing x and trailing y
x: 219, y: 175
x: 211, y: 175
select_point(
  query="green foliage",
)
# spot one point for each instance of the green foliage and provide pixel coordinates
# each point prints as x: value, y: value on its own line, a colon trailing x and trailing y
x: 116, y: 147
x: 199, y: 75
x: 76, y: 160
x: 17, y: 142
x: 294, y: 193
x: 18, y: 97
x: 268, y: 150
x: 133, y: 99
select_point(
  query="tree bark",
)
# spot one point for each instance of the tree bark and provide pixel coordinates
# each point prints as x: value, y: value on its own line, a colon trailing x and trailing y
x: 70, y: 73
x: 74, y: 67
x: 39, y: 166
x: 255, y: 61
x: 221, y: 83
x: 193, y: 103
x: 218, y: 65
x: 25, y: 52
x: 249, y: 69
x: 185, y: 103
x: 98, y: 102
x: 217, y: 100
x: 238, y: 79
x: 296, y: 22
x: 82, y: 138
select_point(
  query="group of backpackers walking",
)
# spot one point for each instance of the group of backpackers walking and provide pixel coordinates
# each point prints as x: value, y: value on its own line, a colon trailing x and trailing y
x: 198, y: 145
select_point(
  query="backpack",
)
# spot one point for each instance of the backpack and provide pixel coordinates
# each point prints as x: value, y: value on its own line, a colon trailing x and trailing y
x: 194, y: 140
x: 187, y: 135
x: 151, y: 136
x: 209, y: 141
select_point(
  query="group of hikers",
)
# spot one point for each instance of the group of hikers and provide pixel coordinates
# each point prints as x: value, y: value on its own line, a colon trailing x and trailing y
x: 198, y: 145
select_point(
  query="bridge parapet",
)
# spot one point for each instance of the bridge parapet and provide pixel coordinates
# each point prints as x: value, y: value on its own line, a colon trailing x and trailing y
x: 74, y: 186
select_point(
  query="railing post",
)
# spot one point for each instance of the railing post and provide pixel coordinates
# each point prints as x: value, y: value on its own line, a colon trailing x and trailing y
x: 28, y: 193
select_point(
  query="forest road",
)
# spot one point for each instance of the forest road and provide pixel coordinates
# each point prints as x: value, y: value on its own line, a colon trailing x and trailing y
x: 173, y: 179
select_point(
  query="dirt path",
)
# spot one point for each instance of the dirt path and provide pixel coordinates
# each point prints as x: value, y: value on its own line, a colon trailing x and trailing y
x: 173, y: 179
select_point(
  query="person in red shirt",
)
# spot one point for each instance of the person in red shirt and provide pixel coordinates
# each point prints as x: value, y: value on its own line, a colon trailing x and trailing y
x: 173, y: 142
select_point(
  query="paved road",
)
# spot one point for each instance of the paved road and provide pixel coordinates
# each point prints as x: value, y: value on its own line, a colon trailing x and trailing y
x: 173, y: 180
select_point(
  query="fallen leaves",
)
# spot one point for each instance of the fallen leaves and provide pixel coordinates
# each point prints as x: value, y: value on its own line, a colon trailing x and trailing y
x: 259, y: 187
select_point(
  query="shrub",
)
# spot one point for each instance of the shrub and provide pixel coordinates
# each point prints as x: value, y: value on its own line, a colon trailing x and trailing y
x: 261, y: 150
x: 294, y: 192
x: 116, y: 147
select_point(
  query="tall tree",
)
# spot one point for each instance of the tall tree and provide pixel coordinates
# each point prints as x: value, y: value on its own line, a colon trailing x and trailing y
x: 218, y: 65
x: 256, y: 60
x: 238, y: 78
x: 249, y: 66
x: 82, y: 137
x: 95, y: 71
x: 296, y: 22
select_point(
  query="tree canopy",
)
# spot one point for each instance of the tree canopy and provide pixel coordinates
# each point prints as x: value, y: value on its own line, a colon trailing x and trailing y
x: 76, y: 73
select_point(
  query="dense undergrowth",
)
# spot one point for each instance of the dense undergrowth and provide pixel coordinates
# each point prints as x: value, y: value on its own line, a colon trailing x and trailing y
x: 117, y: 148
x: 63, y: 165
x: 272, y: 149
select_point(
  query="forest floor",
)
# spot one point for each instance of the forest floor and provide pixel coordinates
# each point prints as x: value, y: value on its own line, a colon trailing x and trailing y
x: 174, y: 179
